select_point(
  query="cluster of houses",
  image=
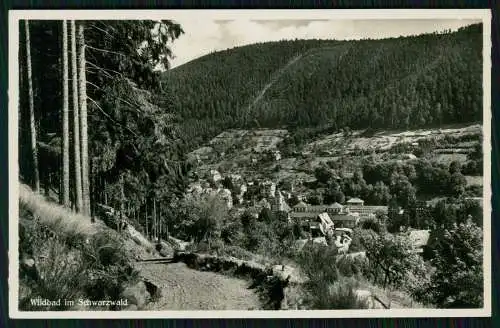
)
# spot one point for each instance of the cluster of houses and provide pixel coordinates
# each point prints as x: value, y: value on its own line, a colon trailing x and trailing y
x: 314, y: 217
x: 348, y: 215
x: 334, y: 221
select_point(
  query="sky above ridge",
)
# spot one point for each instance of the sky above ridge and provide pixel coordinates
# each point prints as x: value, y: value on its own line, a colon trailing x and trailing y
x: 205, y: 35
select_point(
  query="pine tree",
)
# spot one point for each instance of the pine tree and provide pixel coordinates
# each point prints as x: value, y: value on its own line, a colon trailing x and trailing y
x: 76, y: 123
x: 65, y: 130
x: 34, y: 151
x: 82, y: 80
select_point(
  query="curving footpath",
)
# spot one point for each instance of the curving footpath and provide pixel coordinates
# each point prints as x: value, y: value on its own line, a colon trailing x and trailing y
x: 185, y: 289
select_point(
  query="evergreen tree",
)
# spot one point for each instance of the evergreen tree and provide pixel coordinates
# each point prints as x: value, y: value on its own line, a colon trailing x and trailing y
x: 76, y: 124
x: 34, y: 150
x: 65, y: 121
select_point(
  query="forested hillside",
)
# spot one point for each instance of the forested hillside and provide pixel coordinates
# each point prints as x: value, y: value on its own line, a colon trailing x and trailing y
x: 392, y: 83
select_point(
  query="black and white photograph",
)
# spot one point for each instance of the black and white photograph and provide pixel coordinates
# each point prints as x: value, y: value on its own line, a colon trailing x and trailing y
x: 285, y: 163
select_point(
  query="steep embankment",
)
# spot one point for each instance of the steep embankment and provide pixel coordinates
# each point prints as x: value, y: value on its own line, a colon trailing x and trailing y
x: 64, y: 255
x: 392, y: 83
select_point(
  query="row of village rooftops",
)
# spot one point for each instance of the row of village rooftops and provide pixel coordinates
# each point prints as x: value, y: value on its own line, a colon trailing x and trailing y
x: 346, y: 216
x: 353, y: 206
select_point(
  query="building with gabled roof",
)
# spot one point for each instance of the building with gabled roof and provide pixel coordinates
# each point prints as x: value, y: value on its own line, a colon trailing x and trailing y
x: 336, y: 206
x: 419, y: 239
x: 355, y: 201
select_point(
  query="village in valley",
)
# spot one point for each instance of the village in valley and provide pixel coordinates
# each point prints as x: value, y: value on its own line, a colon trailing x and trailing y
x: 248, y: 171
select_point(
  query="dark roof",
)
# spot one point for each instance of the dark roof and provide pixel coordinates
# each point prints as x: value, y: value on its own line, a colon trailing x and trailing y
x: 344, y: 217
x: 302, y: 215
x: 301, y: 204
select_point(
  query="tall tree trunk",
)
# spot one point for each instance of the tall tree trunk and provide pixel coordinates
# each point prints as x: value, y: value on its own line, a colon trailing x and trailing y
x: 76, y: 122
x: 155, y: 223
x: 65, y: 117
x: 83, y: 121
x: 166, y: 227
x: 94, y: 196
x: 122, y: 199
x: 105, y: 193
x: 34, y: 152
x: 147, y: 228
x: 160, y: 221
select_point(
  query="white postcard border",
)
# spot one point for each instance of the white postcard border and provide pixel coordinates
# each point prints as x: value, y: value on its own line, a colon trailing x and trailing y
x: 335, y: 14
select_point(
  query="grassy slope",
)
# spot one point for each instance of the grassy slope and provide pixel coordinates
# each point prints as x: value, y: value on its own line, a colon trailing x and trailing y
x: 57, y: 218
x: 70, y: 225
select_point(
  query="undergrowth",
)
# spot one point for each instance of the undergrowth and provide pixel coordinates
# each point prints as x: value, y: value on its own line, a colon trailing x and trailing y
x: 68, y: 260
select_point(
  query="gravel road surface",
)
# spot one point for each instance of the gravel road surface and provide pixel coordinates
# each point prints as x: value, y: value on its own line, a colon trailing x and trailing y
x: 187, y: 289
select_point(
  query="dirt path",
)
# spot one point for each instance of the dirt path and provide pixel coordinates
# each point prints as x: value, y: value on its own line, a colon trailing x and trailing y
x: 276, y: 75
x: 186, y: 289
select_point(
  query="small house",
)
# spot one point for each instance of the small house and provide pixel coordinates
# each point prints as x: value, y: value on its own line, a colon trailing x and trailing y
x: 356, y: 202
x: 325, y: 223
x: 419, y: 239
x: 345, y: 221
x: 300, y: 207
x: 215, y: 176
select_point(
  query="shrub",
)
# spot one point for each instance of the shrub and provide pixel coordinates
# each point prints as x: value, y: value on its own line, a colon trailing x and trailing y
x: 58, y: 273
x: 318, y: 262
x: 352, y: 266
x: 96, y: 267
x: 356, y: 245
x: 238, y: 252
x: 338, y: 295
x: 69, y: 226
x: 371, y: 224
x: 109, y: 267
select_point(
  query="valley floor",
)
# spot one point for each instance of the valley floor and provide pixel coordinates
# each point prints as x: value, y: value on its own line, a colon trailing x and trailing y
x: 186, y: 289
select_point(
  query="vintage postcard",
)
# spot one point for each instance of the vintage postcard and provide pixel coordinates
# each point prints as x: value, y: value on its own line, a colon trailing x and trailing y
x: 223, y: 164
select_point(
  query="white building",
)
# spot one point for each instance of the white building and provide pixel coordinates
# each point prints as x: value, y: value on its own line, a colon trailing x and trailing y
x: 215, y: 176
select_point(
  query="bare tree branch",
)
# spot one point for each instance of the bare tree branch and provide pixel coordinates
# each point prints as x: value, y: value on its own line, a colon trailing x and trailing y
x: 100, y: 29
x: 108, y: 51
x: 110, y: 118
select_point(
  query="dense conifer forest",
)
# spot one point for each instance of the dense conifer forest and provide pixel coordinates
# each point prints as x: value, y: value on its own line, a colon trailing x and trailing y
x: 403, y: 82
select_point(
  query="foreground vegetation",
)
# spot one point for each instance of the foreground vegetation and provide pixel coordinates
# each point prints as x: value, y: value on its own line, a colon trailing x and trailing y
x: 389, y: 261
x: 64, y: 256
